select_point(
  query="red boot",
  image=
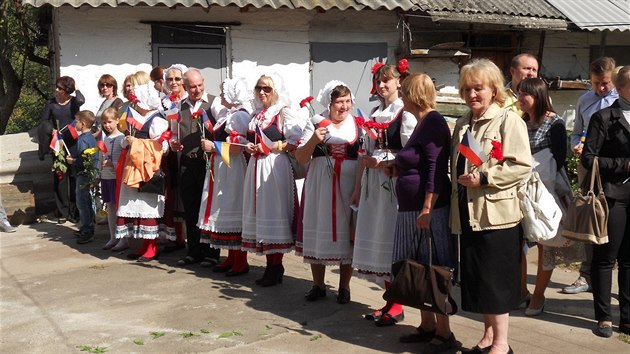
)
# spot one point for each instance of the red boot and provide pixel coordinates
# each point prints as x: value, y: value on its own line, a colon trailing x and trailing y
x: 151, y: 252
x: 240, y: 265
x: 226, y: 264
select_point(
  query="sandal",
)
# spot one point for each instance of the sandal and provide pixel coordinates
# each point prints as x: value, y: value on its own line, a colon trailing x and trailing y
x: 188, y: 260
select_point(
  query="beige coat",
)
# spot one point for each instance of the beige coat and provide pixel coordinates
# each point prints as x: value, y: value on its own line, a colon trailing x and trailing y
x: 494, y: 205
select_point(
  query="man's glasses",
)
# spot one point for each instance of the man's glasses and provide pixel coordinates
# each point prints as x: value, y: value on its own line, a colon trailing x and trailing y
x: 266, y: 89
x: 105, y: 84
x: 171, y: 79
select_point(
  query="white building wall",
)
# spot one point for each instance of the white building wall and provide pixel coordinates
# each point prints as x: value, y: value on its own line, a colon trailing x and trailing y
x: 95, y: 41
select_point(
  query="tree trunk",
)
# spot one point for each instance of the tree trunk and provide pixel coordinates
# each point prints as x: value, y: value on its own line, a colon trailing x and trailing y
x: 10, y: 88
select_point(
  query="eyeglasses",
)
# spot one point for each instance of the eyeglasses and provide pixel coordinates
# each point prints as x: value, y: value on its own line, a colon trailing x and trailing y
x: 266, y: 89
x: 171, y: 79
x: 105, y: 84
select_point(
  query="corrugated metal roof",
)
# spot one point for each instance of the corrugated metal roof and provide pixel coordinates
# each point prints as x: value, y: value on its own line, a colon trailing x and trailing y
x: 596, y: 14
x: 533, y: 8
x: 405, y: 5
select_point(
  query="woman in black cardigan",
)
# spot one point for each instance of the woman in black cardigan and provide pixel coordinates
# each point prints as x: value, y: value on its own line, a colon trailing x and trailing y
x: 609, y: 140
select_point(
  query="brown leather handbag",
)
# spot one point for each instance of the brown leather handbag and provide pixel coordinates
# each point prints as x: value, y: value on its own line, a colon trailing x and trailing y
x: 587, y: 216
x: 426, y: 287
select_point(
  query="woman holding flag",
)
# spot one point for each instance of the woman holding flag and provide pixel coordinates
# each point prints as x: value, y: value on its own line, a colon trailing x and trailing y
x: 374, y: 192
x: 269, y: 200
x: 327, y: 233
x: 490, y: 158
x: 221, y: 211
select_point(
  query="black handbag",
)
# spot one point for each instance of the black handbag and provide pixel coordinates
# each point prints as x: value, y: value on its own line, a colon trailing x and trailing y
x: 426, y: 287
x: 156, y: 185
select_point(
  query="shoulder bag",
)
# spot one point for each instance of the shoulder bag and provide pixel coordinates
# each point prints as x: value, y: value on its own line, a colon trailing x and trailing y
x: 426, y: 287
x: 541, y: 213
x: 156, y: 185
x: 587, y: 215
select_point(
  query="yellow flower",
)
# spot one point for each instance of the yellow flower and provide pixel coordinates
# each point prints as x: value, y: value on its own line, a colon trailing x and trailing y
x: 90, y: 151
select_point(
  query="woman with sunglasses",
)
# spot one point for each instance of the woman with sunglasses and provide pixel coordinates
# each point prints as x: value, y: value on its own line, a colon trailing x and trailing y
x: 269, y: 201
x: 108, y: 89
x: 58, y: 112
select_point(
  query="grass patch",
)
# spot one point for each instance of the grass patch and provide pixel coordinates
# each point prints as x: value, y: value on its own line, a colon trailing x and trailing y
x: 189, y: 334
x: 92, y: 349
x: 624, y: 338
x: 316, y: 337
x: 235, y: 332
x: 138, y: 341
x: 157, y: 335
x: 204, y: 330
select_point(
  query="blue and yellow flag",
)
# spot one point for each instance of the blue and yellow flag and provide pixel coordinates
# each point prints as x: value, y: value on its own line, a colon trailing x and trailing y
x: 223, y: 149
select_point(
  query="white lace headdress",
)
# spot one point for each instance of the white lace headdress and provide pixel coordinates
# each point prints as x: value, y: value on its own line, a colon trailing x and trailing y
x: 235, y: 91
x: 148, y: 96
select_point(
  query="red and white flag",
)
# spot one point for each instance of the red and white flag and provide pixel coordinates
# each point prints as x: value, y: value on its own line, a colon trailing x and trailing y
x: 472, y: 151
x: 266, y: 143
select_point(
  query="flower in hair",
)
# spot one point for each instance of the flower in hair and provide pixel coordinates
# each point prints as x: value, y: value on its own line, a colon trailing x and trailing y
x: 403, y: 65
x: 377, y: 66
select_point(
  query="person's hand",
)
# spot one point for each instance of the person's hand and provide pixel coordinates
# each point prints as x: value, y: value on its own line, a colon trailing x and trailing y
x: 470, y: 180
x: 290, y: 148
x: 355, y: 197
x: 389, y: 169
x: 370, y: 162
x: 107, y: 163
x: 69, y: 160
x: 319, y: 134
x: 130, y: 139
x: 250, y: 148
x: 423, y: 220
x: 207, y: 145
x: 175, y: 145
x: 577, y: 149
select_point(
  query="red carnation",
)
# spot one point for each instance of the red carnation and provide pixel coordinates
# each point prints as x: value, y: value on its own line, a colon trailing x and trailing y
x: 133, y: 98
x: 376, y: 66
x: 173, y: 97
x: 59, y: 175
x: 195, y: 115
x: 360, y: 121
x: 306, y: 101
x: 497, y: 150
x: 403, y: 65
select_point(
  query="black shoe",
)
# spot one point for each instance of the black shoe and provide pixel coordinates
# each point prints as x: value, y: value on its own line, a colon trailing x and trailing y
x: 440, y: 344
x: 343, y: 297
x: 603, y: 329
x: 421, y: 336
x: 220, y: 269
x: 315, y: 293
x: 388, y: 320
x: 374, y: 316
x: 188, y: 260
x: 133, y: 256
x: 172, y: 247
x: 274, y: 276
x: 85, y: 238
x: 146, y: 259
x: 478, y: 350
x: 232, y: 273
x: 208, y: 262
x: 264, y: 276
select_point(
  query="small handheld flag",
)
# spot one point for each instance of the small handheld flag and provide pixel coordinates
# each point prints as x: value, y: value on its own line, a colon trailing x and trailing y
x: 56, y: 142
x: 264, y: 141
x: 223, y: 149
x: 100, y: 143
x: 472, y: 151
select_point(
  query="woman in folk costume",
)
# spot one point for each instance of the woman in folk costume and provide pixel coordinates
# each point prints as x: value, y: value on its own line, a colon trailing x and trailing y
x: 173, y: 224
x: 327, y: 232
x: 374, y: 193
x: 148, y: 141
x: 269, y: 201
x: 221, y: 212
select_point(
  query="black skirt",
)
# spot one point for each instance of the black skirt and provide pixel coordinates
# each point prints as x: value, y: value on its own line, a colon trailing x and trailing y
x: 490, y: 267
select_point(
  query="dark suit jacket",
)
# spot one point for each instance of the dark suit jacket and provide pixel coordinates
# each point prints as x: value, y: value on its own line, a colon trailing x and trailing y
x: 608, y: 138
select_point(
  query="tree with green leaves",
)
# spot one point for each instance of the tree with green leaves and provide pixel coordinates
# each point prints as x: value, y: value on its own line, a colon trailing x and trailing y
x: 23, y: 59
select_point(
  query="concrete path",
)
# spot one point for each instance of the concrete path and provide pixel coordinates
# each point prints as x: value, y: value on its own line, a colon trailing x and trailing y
x: 60, y: 297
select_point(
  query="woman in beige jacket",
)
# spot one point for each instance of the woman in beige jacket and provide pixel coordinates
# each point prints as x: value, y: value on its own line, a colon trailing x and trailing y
x: 484, y: 203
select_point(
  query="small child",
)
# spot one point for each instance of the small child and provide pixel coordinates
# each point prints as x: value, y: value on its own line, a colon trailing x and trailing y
x: 109, y: 123
x: 85, y: 203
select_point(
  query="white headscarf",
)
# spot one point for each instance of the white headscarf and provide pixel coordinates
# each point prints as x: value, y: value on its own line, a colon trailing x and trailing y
x: 148, y: 96
x: 181, y: 67
x: 235, y: 91
x: 324, y: 95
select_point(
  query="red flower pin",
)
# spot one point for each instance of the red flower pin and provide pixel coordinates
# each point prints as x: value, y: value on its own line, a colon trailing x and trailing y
x: 403, y: 65
x: 497, y: 150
